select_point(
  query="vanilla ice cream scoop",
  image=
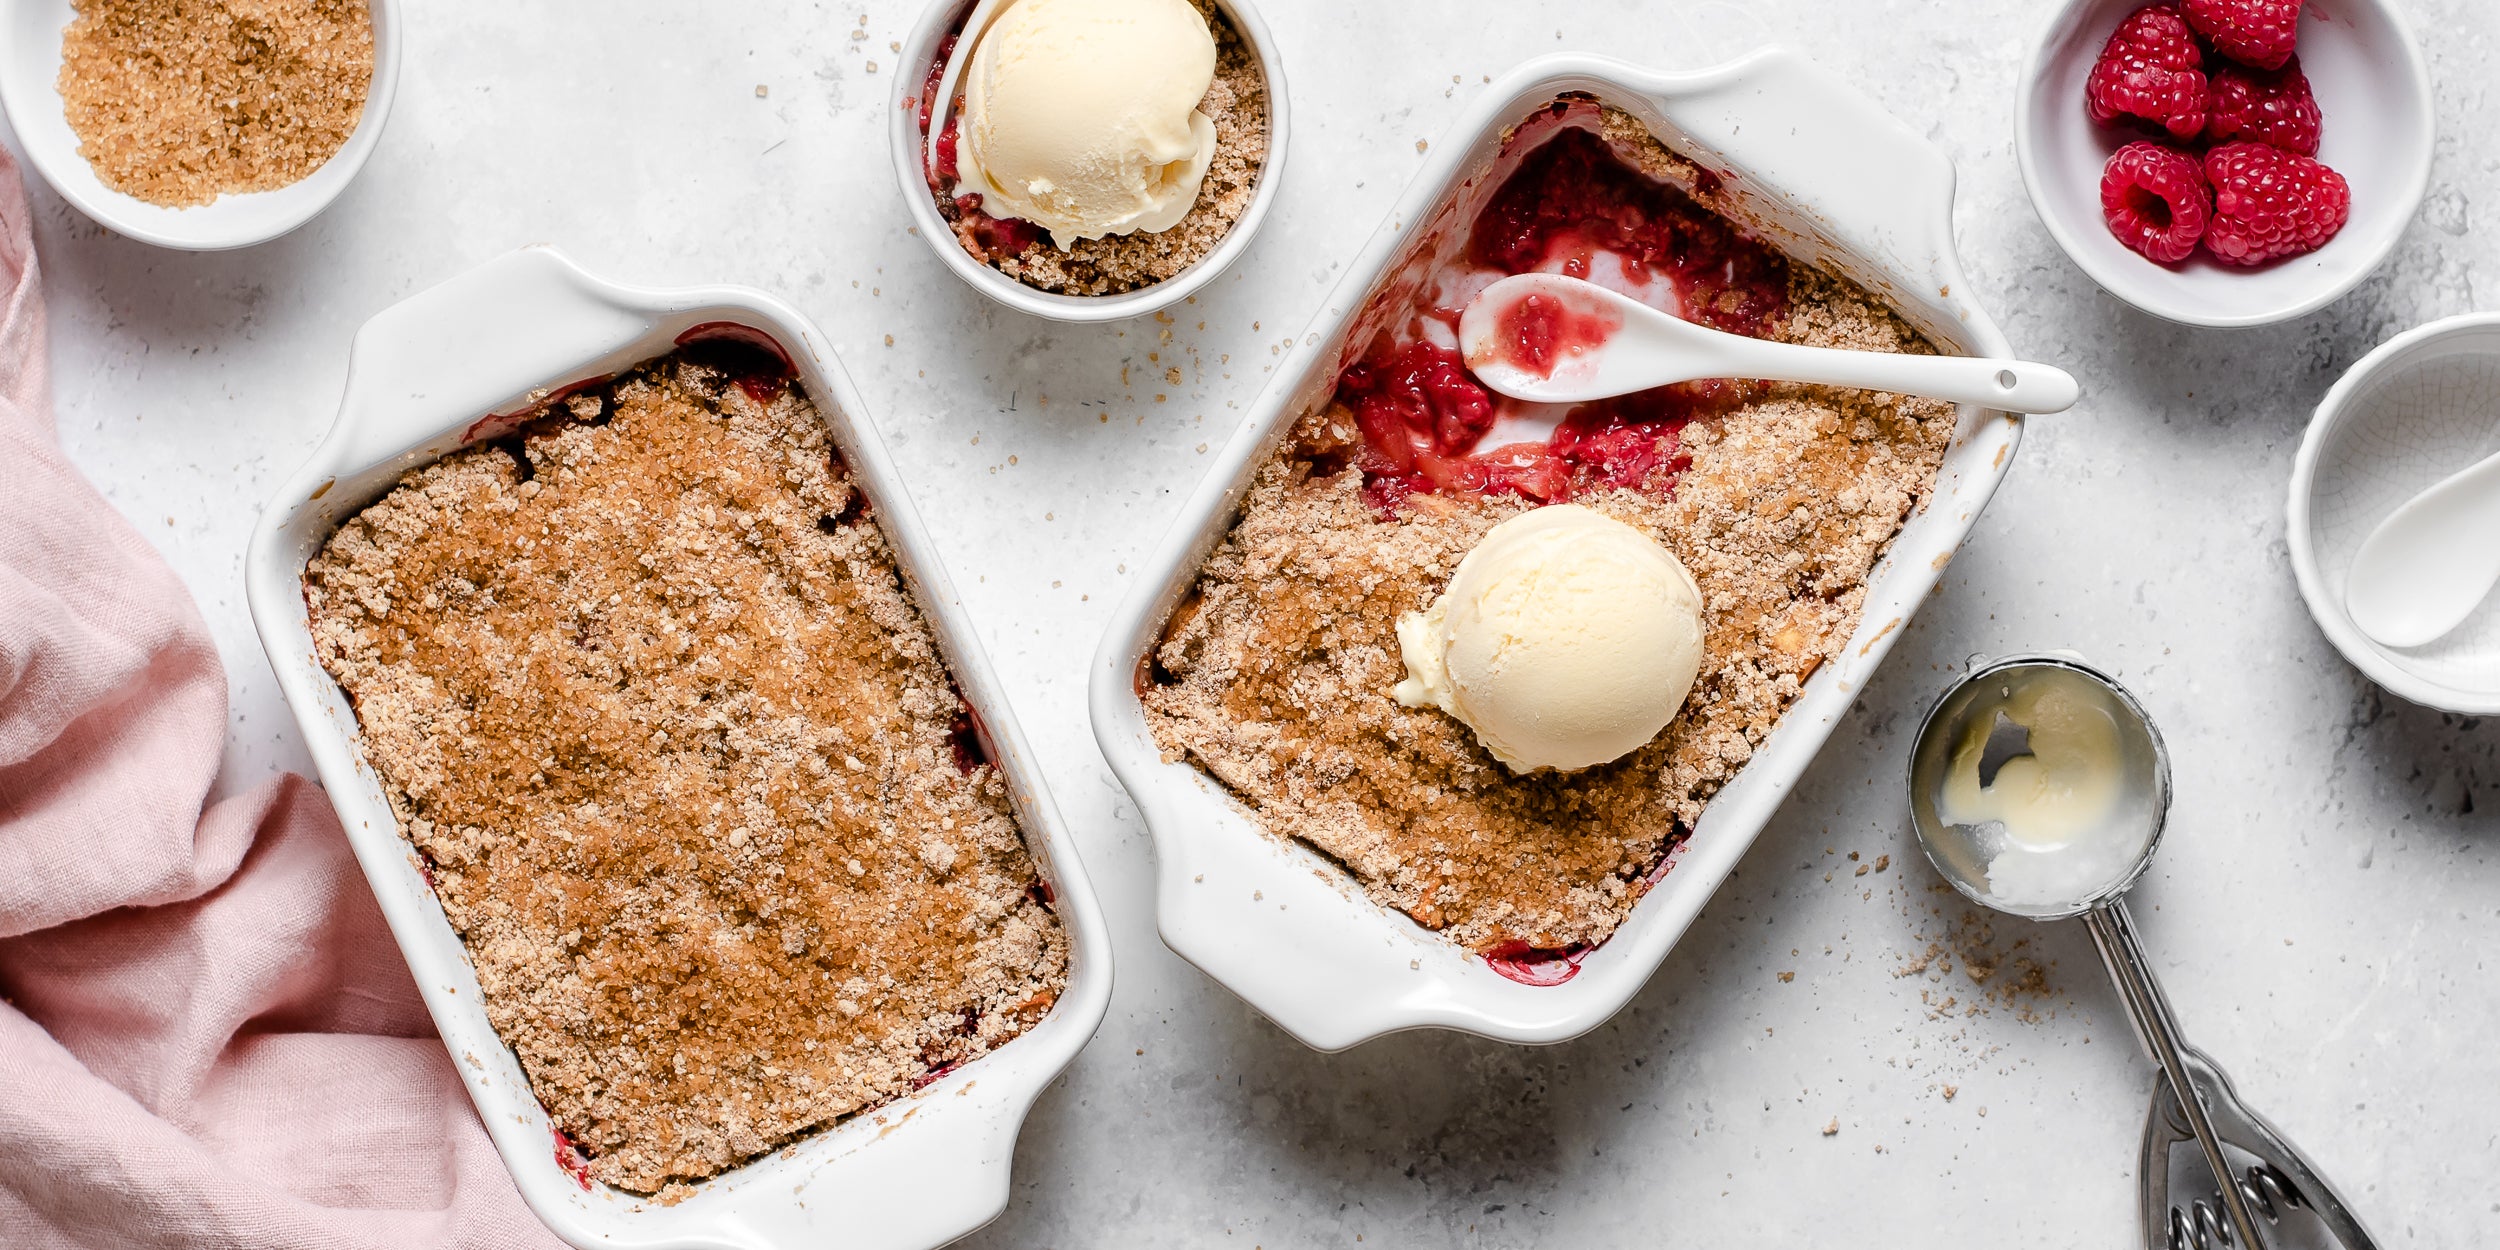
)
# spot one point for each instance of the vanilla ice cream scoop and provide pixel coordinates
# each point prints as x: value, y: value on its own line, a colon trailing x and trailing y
x: 1081, y: 116
x: 1566, y: 639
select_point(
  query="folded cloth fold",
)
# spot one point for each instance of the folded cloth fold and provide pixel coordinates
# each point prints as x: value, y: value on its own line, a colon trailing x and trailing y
x: 207, y: 1037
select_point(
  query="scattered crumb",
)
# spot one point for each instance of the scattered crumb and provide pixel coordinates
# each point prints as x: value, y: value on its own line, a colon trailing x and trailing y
x: 1832, y: 1129
x: 2004, y: 972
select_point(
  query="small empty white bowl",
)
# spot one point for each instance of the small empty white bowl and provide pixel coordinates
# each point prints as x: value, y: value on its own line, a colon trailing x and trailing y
x: 30, y: 74
x: 2374, y: 92
x: 910, y: 146
x: 2421, y: 407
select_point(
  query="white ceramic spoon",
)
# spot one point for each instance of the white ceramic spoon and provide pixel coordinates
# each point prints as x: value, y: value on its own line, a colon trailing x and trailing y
x: 1611, y: 344
x: 976, y: 24
x: 2431, y: 562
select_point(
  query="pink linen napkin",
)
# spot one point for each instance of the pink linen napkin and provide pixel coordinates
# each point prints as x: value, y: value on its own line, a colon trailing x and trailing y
x: 207, y: 1037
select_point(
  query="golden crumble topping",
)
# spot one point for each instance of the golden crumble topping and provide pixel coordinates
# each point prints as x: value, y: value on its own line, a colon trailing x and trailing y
x: 688, y: 771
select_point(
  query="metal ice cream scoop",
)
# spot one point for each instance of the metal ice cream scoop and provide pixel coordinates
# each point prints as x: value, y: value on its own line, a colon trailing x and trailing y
x: 1996, y: 722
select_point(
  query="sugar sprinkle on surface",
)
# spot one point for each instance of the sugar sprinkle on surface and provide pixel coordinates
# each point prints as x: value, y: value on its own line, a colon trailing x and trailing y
x: 179, y: 101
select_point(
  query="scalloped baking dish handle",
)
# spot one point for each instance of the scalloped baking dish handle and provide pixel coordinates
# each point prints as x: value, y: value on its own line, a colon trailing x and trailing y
x: 502, y: 321
x: 1899, y: 186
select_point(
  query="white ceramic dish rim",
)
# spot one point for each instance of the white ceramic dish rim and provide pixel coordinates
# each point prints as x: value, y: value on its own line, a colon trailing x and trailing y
x: 2326, y: 606
x: 1290, y: 932
x: 2118, y: 285
x: 33, y: 103
x: 915, y: 1173
x: 906, y: 140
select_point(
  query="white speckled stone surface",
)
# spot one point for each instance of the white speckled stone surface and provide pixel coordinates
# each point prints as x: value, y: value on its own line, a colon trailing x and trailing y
x: 2322, y: 909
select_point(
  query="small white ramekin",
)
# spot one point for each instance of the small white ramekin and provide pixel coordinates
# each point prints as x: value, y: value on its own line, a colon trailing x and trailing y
x: 2422, y: 406
x: 30, y: 72
x: 915, y: 1173
x: 1828, y: 176
x: 910, y: 145
x: 2375, y: 92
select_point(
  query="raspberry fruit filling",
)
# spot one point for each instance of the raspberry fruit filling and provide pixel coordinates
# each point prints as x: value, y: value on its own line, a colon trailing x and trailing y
x: 1536, y: 334
x: 996, y: 236
x: 1574, y: 198
x: 1537, y: 965
x: 1572, y: 207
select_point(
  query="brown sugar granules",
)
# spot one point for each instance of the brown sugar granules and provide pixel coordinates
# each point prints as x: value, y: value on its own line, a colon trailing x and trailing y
x: 1275, y: 674
x: 179, y: 101
x: 1237, y: 103
x: 644, y: 687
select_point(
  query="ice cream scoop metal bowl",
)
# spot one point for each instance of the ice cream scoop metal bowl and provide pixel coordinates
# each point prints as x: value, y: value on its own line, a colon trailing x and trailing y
x: 2256, y: 1174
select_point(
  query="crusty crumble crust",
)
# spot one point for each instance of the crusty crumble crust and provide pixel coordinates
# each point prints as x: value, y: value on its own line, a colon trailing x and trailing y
x: 644, y: 687
x: 1237, y: 103
x: 1275, y: 673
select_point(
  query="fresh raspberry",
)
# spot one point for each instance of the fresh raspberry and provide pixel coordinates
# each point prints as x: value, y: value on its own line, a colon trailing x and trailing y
x: 2251, y: 32
x: 2269, y: 203
x: 2150, y: 70
x: 2272, y: 107
x: 2155, y: 201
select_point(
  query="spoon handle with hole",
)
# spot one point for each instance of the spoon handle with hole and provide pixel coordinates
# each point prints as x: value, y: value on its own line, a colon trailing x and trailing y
x: 2003, y: 385
x: 2113, y: 933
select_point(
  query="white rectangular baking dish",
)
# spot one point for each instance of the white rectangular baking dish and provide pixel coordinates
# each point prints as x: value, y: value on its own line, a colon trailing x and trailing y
x: 915, y: 1173
x: 1815, y: 167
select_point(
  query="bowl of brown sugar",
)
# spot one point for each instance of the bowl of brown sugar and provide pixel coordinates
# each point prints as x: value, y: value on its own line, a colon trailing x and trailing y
x: 198, y: 124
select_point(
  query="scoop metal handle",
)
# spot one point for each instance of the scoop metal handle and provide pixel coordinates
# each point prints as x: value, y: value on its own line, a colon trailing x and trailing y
x: 2280, y: 1181
x: 2113, y: 934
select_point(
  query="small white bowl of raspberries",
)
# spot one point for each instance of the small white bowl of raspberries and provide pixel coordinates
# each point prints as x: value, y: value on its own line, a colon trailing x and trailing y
x: 2226, y: 162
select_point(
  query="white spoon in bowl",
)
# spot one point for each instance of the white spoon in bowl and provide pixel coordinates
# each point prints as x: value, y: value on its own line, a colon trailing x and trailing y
x: 2431, y: 562
x: 942, y: 102
x: 1546, y: 338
